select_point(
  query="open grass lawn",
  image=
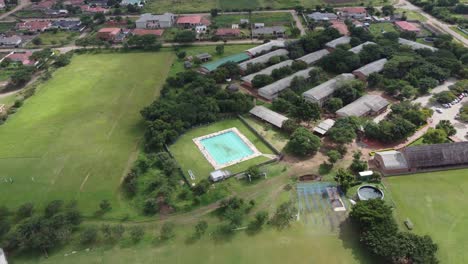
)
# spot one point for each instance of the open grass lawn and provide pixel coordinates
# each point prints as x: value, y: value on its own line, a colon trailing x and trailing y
x: 58, y: 38
x: 270, y: 19
x: 380, y: 28
x: 77, y: 136
x: 190, y: 157
x: 29, y: 13
x: 437, y: 205
x: 275, y: 136
x: 4, y: 27
x: 412, y: 15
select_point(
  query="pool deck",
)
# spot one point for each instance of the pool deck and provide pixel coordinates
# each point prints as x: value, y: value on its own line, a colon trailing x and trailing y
x: 212, y: 161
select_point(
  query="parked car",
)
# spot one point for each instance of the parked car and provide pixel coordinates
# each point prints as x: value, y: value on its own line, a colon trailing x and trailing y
x: 446, y: 105
x: 438, y: 110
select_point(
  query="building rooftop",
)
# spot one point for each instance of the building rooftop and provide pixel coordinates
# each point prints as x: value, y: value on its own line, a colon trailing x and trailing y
x: 322, y: 16
x: 359, y: 47
x: 266, y: 47
x: 267, y: 71
x: 340, y: 26
x: 270, y: 91
x: 237, y: 58
x: 313, y: 57
x: 324, y: 126
x: 113, y: 31
x: 142, y: 32
x: 415, y: 45
x: 354, y: 9
x: 437, y: 155
x: 393, y: 160
x: 268, y: 115
x: 227, y: 31
x: 338, y: 41
x: 327, y: 88
x: 407, y: 26
x: 362, y: 106
x: 263, y: 58
x: 150, y: 17
x: 372, y: 67
x: 269, y: 30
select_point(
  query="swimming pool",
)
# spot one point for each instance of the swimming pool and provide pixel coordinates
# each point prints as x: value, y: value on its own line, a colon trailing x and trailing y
x: 225, y: 148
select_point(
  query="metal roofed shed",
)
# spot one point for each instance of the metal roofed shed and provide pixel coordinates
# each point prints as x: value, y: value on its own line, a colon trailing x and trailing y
x: 271, y: 91
x: 247, y: 80
x: 317, y: 16
x: 266, y: 47
x: 219, y: 175
x: 366, y: 70
x: 203, y: 57
x: 359, y: 47
x: 313, y: 57
x: 415, y: 45
x: 339, y: 41
x: 263, y: 58
x: 366, y: 105
x: 268, y: 115
x: 427, y: 157
x: 322, y: 92
x: 391, y: 162
x: 237, y: 58
x: 324, y: 126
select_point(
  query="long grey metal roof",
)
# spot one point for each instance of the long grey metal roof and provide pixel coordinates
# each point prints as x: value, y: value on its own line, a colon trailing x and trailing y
x: 393, y: 159
x: 267, y: 71
x: 437, y: 155
x: 363, y: 105
x: 415, y: 45
x: 338, y: 41
x: 149, y: 17
x: 322, y: 16
x: 268, y: 115
x: 359, y: 47
x: 271, y: 91
x: 266, y: 47
x: 313, y: 57
x: 372, y: 67
x: 327, y: 88
x: 264, y: 58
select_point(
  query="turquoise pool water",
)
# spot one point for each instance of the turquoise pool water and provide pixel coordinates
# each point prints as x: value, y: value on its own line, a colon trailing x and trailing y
x: 226, y: 147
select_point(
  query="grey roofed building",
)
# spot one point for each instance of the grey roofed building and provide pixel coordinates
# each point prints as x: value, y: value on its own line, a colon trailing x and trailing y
x: 266, y: 47
x: 14, y: 41
x: 263, y: 58
x: 269, y: 116
x: 391, y: 161
x: 3, y: 259
x: 415, y: 45
x: 219, y: 175
x: 277, y: 31
x: 322, y: 92
x: 317, y: 16
x: 376, y: 66
x: 367, y: 104
x: 359, y: 47
x: 436, y: 156
x: 267, y: 71
x: 271, y: 91
x: 203, y: 57
x: 324, y: 126
x: 155, y: 21
x: 313, y: 57
x: 74, y: 25
x: 339, y: 41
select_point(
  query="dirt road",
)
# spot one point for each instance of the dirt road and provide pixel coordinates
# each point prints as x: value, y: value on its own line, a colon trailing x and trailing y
x: 23, y: 4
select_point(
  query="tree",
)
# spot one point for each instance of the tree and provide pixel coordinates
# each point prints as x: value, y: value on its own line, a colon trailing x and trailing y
x: 447, y: 127
x: 21, y: 76
x: 105, y: 206
x: 333, y: 156
x: 358, y: 165
x: 344, y: 179
x: 445, y: 97
x: 340, y: 61
x: 88, y: 236
x: 200, y: 228
x: 257, y: 223
x: 37, y: 41
x: 388, y: 10
x: 219, y: 49
x: 62, y: 60
x: 53, y: 208
x: 334, y: 104
x: 117, y: 231
x: 261, y: 80
x: 214, y: 12
x: 284, y: 215
x: 303, y: 142
x: 181, y: 55
x: 86, y: 20
x: 290, y: 125
x: 254, y: 173
x: 202, y: 187
x: 435, y: 136
x: 185, y: 36
x: 167, y: 231
x: 99, y: 18
x: 24, y: 211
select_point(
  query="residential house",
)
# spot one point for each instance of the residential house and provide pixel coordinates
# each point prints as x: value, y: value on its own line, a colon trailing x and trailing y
x: 203, y: 57
x: 192, y: 21
x: 33, y: 26
x: 276, y: 31
x: 12, y: 41
x: 354, y: 12
x: 317, y: 16
x: 367, y: 105
x: 228, y: 33
x: 415, y: 45
x: 244, y: 21
x: 331, y: 46
x: 259, y: 25
x: 56, y: 12
x: 142, y: 32
x: 340, y: 26
x: 268, y: 115
x: 93, y: 10
x: 149, y: 21
x: 108, y: 34
x: 72, y: 25
x: 201, y: 29
x: 2, y: 4
x: 23, y: 57
x: 366, y: 70
x: 407, y: 26
x: 272, y: 91
x: 43, y: 5
x: 139, y: 3
x: 390, y: 162
x: 235, y: 26
x: 266, y: 47
x: 321, y: 93
x: 101, y: 3
x: 314, y: 57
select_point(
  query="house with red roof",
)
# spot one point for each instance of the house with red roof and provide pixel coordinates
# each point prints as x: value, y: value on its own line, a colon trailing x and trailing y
x: 23, y: 57
x: 354, y: 12
x: 192, y: 21
x: 407, y: 26
x: 228, y: 32
x: 142, y: 32
x: 108, y: 34
x: 340, y: 26
x: 33, y: 26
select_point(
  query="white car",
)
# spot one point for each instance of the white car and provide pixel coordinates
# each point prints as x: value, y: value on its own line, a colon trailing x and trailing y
x: 438, y: 110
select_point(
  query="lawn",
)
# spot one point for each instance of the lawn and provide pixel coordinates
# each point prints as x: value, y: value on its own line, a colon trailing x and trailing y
x: 4, y: 27
x: 270, y: 19
x: 189, y: 156
x: 412, y: 15
x: 51, y: 38
x: 436, y: 203
x: 78, y: 135
x: 455, y: 28
x: 275, y: 136
x: 380, y: 28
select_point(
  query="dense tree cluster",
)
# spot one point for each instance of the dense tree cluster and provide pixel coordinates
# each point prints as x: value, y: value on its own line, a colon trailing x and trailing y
x: 379, y: 234
x: 345, y: 129
x: 311, y: 42
x: 303, y: 142
x: 445, y: 10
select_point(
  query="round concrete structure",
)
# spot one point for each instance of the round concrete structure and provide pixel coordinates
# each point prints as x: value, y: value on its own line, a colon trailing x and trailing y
x: 369, y: 192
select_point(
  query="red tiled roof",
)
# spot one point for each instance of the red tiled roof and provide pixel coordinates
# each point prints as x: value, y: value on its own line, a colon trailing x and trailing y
x: 340, y: 26
x: 22, y: 57
x: 406, y: 26
x: 96, y: 9
x: 189, y: 20
x: 33, y: 25
x: 141, y: 32
x: 113, y: 31
x: 354, y: 10
x: 227, y: 32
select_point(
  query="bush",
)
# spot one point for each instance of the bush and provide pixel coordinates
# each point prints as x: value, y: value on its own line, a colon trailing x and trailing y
x: 303, y: 142
x: 88, y: 236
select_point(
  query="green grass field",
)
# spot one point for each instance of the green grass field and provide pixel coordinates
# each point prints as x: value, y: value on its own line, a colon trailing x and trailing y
x: 52, y: 39
x: 379, y: 28
x: 77, y: 136
x: 412, y: 15
x: 4, y: 27
x: 190, y: 158
x: 270, y: 19
x: 436, y: 203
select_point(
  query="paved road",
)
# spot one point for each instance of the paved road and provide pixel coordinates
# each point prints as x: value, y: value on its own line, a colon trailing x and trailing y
x: 23, y: 4
x: 405, y: 4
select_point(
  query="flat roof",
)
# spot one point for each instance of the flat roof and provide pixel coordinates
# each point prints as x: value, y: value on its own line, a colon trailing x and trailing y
x: 324, y: 126
x: 239, y: 57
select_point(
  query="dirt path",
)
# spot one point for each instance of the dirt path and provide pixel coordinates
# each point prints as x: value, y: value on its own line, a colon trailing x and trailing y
x: 23, y: 4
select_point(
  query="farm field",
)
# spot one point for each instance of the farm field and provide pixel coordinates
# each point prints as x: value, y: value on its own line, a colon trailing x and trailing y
x: 190, y: 157
x: 436, y: 203
x: 77, y: 136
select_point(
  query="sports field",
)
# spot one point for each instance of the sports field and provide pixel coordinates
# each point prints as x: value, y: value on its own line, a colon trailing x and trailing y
x: 437, y: 205
x: 189, y: 156
x: 80, y: 132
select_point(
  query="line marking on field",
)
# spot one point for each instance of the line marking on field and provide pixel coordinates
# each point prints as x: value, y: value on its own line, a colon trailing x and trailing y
x: 84, y: 181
